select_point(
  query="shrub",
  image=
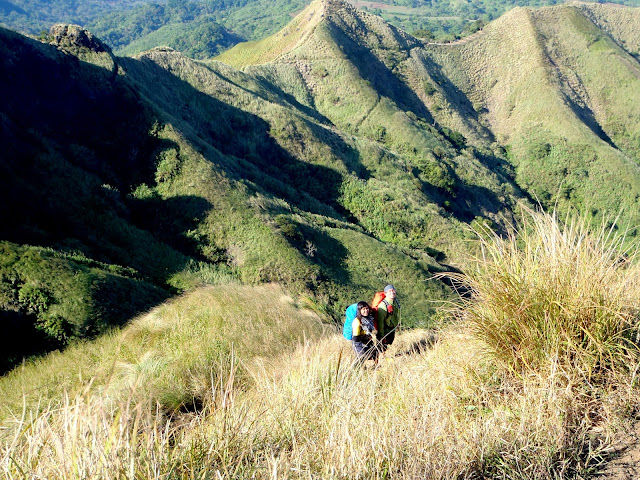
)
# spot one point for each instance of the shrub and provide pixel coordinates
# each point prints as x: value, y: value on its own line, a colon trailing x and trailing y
x: 429, y: 89
x: 440, y: 176
x: 554, y: 292
x: 424, y: 34
x: 456, y: 138
x: 287, y: 227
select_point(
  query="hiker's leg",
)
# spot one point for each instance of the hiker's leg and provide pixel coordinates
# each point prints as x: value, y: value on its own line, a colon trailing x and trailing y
x: 360, y: 350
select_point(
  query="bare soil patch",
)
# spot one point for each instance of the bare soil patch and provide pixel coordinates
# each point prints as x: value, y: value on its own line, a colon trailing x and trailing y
x: 627, y: 464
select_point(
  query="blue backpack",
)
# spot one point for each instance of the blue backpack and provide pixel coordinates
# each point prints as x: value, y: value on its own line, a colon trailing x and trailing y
x: 350, y: 315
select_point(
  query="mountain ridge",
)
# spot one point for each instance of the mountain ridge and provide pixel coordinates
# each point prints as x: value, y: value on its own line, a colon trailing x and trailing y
x: 354, y: 156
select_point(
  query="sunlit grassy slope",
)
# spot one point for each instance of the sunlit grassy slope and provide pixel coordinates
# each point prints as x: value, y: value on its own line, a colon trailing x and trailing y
x: 266, y: 50
x: 180, y: 173
x: 172, y: 354
x: 244, y: 382
x: 538, y: 78
x: 343, y: 155
x: 532, y: 82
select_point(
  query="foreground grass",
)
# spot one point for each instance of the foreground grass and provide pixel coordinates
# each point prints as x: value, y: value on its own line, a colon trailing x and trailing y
x: 439, y: 413
x: 285, y: 400
x: 556, y: 291
x: 170, y: 355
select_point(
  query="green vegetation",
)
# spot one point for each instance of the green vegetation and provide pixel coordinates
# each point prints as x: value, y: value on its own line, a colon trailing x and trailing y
x: 191, y: 27
x: 203, y: 39
x: 556, y: 295
x: 323, y: 163
x: 334, y: 157
x: 571, y: 158
x: 204, y: 28
x: 178, y: 201
x: 239, y: 403
x: 222, y: 324
x: 49, y: 299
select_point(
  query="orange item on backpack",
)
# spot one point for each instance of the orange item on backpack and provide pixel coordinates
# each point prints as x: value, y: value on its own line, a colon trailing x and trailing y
x: 378, y: 298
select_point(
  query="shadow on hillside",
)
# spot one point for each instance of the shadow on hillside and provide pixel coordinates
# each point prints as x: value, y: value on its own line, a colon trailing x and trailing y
x: 20, y: 339
x: 330, y: 255
x: 170, y: 218
x: 382, y: 79
x: 455, y: 97
x: 249, y: 143
x: 465, y: 202
x: 420, y: 346
x: 76, y: 141
x: 290, y: 99
x: 339, y: 148
x: 586, y: 115
x: 349, y: 156
x: 499, y: 166
x: 478, y: 201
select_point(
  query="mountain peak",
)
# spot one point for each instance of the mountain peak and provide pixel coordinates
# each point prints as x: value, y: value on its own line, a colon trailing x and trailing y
x: 331, y: 6
x: 74, y: 36
x: 341, y: 15
x: 77, y: 41
x: 291, y: 36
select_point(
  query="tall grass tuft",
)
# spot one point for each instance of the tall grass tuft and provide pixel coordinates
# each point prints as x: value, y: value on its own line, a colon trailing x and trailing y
x: 441, y: 413
x: 555, y: 293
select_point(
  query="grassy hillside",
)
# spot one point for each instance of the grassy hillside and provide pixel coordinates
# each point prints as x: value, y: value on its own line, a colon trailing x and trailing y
x: 265, y: 50
x: 202, y: 28
x: 265, y: 389
x: 183, y: 173
x: 619, y: 22
x: 344, y: 154
x: 348, y: 69
x: 531, y: 75
x: 331, y: 159
x: 228, y: 326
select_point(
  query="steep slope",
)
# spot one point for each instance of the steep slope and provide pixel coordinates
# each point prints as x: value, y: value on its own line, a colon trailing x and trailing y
x: 173, y: 173
x: 288, y: 38
x: 294, y: 171
x: 622, y: 23
x: 344, y: 154
x: 73, y: 137
x: 353, y: 69
x: 562, y: 96
x: 174, y: 353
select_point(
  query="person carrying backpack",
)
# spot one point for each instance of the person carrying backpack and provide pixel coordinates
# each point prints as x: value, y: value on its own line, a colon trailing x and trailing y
x: 387, y: 317
x: 364, y: 334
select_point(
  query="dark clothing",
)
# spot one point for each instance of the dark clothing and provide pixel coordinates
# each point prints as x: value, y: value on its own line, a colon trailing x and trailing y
x: 388, y: 339
x: 365, y: 350
x: 363, y: 343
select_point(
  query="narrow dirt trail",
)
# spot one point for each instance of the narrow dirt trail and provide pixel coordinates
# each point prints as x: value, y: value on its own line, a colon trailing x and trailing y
x: 627, y: 465
x: 461, y: 41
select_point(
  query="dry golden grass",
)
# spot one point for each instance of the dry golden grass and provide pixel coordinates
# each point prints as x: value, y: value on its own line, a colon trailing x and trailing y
x: 277, y: 395
x: 438, y: 413
x: 561, y: 293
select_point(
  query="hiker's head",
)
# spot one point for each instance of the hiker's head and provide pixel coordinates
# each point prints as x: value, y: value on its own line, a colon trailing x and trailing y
x: 390, y: 292
x: 363, y: 309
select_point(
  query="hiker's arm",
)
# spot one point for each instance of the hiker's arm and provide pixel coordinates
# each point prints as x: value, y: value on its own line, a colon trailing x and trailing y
x: 355, y: 328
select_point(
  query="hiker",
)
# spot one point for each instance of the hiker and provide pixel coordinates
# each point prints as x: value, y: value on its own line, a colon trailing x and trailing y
x: 387, y: 318
x: 364, y: 334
